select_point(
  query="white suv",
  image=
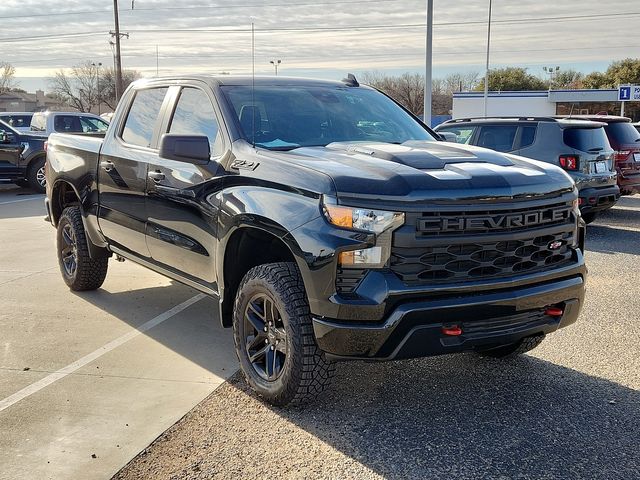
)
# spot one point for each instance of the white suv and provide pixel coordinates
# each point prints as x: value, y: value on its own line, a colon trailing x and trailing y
x: 46, y: 123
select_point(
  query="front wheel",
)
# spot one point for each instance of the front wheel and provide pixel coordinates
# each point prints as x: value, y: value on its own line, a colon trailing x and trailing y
x: 79, y: 270
x: 274, y: 338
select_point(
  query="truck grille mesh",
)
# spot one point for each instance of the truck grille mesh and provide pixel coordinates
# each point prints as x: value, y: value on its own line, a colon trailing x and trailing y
x: 480, y: 260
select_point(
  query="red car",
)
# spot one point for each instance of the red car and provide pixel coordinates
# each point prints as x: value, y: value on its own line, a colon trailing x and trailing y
x: 625, y: 140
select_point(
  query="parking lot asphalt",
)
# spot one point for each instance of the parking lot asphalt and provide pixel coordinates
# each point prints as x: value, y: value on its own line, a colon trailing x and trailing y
x: 570, y: 409
x: 88, y: 380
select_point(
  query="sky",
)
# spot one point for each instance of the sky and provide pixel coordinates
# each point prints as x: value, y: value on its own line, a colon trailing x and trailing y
x: 322, y: 38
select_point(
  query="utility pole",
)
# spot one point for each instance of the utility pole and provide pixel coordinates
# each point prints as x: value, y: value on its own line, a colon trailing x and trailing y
x: 118, y: 58
x: 275, y: 64
x: 428, y: 73
x: 486, y: 72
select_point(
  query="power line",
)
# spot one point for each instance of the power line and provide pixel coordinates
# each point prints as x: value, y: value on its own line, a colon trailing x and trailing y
x: 198, y: 7
x: 389, y: 56
x: 332, y: 29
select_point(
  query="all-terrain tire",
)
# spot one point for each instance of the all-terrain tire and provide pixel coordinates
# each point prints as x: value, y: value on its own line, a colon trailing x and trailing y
x: 305, y: 371
x: 35, y: 175
x: 89, y: 273
x: 514, y: 349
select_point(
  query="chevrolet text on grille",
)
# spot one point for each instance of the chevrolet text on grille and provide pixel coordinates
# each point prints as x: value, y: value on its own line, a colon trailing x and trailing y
x: 493, y: 222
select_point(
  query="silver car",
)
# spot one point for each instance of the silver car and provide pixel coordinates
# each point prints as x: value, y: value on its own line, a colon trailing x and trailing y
x: 580, y: 147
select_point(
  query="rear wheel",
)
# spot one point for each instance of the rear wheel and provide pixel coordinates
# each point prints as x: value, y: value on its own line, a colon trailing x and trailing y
x: 79, y: 270
x: 514, y: 349
x: 36, y: 176
x: 589, y: 217
x: 274, y: 337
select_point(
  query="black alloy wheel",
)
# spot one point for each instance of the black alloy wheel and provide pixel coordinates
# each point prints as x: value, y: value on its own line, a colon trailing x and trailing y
x: 69, y: 252
x: 265, y: 337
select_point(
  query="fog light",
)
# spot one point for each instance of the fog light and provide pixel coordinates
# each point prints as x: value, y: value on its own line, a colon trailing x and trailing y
x: 453, y: 330
x: 554, y: 312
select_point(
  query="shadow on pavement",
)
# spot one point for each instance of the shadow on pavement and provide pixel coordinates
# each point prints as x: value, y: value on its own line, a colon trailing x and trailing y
x: 467, y: 417
x: 605, y: 239
x: 195, y: 334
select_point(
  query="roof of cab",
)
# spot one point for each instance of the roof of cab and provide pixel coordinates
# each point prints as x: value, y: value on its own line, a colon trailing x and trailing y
x: 246, y: 80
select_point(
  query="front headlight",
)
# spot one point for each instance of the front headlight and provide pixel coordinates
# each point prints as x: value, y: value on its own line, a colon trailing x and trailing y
x: 380, y: 222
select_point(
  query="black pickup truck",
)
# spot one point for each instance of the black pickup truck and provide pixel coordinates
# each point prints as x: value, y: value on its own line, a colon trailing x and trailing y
x: 22, y: 158
x: 328, y: 221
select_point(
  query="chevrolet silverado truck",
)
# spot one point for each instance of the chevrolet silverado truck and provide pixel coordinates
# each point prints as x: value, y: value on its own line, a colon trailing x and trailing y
x: 329, y: 223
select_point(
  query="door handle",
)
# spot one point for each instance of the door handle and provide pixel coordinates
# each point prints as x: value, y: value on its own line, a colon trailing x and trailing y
x: 156, y: 176
x: 106, y: 165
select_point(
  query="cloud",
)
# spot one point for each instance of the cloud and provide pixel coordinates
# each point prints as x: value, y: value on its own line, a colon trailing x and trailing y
x: 459, y: 35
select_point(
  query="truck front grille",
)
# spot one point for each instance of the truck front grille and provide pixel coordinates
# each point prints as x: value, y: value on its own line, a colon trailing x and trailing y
x: 472, y: 261
x: 454, y: 247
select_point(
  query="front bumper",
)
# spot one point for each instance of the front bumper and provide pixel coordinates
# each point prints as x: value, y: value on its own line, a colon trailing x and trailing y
x: 598, y: 199
x: 414, y: 329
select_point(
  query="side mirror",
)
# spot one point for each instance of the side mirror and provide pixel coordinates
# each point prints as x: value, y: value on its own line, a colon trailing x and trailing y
x: 185, y: 148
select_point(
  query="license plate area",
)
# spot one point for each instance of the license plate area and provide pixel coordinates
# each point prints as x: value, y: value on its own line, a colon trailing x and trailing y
x: 601, y: 167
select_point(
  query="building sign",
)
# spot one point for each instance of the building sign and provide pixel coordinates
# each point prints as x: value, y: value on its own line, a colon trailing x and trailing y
x: 627, y: 93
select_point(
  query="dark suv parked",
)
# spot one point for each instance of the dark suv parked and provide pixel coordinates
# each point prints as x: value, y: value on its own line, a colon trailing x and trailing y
x: 578, y: 146
x: 625, y: 140
x: 22, y: 158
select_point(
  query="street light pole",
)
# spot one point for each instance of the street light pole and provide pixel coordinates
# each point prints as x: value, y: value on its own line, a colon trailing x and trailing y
x: 486, y: 72
x: 275, y: 64
x: 98, y: 83
x: 428, y: 72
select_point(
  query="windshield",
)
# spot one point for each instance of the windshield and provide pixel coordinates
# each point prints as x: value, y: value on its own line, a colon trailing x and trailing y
x: 289, y: 117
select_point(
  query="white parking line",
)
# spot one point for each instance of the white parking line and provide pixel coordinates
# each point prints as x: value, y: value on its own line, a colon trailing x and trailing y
x: 40, y: 197
x: 72, y: 367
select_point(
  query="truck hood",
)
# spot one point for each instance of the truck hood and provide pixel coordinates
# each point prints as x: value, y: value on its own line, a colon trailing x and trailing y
x: 419, y: 171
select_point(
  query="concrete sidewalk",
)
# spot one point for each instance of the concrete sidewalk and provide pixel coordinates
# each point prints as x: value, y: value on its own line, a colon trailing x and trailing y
x: 64, y: 419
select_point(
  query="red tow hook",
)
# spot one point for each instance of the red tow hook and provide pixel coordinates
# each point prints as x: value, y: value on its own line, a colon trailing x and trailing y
x: 453, y: 330
x: 553, y: 311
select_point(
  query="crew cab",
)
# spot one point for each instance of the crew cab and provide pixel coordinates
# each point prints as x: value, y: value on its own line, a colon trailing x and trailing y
x: 329, y: 223
x: 22, y: 158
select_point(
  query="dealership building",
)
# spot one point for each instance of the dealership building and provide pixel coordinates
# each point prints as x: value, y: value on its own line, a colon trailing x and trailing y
x: 543, y: 103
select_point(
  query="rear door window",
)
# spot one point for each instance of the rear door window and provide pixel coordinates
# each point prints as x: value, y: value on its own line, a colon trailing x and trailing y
x: 623, y: 133
x: 143, y: 116
x: 497, y: 137
x: 528, y: 136
x: 586, y: 139
x: 67, y: 124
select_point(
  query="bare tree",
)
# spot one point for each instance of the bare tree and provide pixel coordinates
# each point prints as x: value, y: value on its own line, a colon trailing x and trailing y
x: 79, y: 88
x: 7, y: 77
x: 108, y: 85
x: 84, y: 87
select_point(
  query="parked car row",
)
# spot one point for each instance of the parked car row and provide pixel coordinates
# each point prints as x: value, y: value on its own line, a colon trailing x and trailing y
x: 22, y: 142
x: 600, y: 152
